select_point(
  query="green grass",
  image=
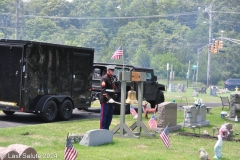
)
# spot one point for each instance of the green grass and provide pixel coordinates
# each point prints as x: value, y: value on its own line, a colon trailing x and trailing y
x: 49, y: 138
x: 169, y: 96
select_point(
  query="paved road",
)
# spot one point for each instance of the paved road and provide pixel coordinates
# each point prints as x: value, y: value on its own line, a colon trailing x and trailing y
x: 213, y: 104
x: 208, y: 104
x: 22, y: 119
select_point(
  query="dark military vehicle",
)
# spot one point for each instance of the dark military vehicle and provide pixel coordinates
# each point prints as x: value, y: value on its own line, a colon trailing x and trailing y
x: 47, y: 79
x: 152, y: 90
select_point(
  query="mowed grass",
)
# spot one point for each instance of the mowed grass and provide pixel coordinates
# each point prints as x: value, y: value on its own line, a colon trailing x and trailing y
x: 186, y: 97
x: 50, y: 138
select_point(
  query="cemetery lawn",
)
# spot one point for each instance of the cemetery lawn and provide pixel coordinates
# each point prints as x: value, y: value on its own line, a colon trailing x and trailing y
x: 186, y: 97
x: 50, y: 139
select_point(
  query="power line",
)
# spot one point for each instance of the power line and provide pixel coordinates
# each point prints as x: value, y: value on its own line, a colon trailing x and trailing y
x: 226, y: 12
x: 132, y: 17
x: 105, y: 18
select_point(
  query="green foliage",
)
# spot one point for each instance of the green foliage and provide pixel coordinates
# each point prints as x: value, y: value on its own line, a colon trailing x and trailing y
x: 152, y: 32
x: 40, y: 29
x: 1, y: 35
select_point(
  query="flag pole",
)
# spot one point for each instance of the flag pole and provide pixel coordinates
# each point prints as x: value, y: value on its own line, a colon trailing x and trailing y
x: 122, y: 55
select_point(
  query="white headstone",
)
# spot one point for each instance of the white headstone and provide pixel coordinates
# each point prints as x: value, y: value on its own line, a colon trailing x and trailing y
x: 97, y: 137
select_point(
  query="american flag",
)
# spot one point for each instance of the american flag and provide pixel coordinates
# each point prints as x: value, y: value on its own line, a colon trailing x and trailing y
x: 165, y: 137
x: 152, y: 122
x: 70, y: 152
x: 133, y: 111
x: 118, y: 53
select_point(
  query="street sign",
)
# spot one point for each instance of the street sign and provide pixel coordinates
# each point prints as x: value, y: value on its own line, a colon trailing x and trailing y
x: 194, y: 66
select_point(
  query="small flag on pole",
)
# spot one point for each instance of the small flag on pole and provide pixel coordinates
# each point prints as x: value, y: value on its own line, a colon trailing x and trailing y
x: 165, y: 137
x: 133, y: 112
x: 70, y: 152
x: 118, y: 53
x: 152, y: 122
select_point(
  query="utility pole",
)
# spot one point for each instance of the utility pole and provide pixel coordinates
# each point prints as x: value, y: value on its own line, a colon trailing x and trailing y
x: 23, y: 28
x: 188, y: 72
x: 198, y: 52
x: 17, y: 19
x: 167, y: 75
x: 209, y: 10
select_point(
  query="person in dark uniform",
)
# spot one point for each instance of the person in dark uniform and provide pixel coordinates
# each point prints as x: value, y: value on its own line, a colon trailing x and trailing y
x: 107, y: 98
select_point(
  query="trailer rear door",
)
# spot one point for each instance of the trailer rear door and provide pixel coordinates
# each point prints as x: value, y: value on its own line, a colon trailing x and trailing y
x: 81, y: 74
x: 11, y: 69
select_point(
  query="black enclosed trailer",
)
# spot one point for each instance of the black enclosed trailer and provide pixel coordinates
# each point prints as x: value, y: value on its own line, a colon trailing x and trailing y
x: 47, y: 79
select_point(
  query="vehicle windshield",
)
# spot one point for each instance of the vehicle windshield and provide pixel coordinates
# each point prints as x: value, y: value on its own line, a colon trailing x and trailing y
x: 117, y: 70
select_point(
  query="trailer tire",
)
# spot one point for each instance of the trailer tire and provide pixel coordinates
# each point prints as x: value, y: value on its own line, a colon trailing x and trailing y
x: 49, y: 112
x: 65, y: 110
x: 9, y: 113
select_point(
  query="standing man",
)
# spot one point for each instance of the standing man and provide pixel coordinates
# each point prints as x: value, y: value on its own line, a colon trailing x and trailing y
x: 106, y: 98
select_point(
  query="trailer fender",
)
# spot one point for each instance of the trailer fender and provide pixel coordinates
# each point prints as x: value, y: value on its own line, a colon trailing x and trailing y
x: 43, y: 100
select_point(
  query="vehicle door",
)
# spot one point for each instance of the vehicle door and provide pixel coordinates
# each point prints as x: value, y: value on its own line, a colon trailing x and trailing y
x: 11, y: 69
x: 81, y: 78
x: 150, y: 85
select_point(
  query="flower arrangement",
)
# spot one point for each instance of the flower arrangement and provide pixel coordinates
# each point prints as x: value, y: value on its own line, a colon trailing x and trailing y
x: 76, y: 138
x: 223, y: 131
x: 198, y: 101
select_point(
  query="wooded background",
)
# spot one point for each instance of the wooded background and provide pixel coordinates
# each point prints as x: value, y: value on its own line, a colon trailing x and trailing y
x: 152, y: 32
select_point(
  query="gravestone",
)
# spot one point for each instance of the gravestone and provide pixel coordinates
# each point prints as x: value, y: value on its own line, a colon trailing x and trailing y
x: 195, y: 93
x: 179, y: 88
x: 234, y: 105
x: 171, y: 87
x: 213, y: 91
x: 97, y: 137
x: 195, y: 115
x: 7, y: 154
x: 183, y: 88
x: 167, y: 115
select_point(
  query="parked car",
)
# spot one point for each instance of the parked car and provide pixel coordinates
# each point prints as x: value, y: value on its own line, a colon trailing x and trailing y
x: 231, y: 84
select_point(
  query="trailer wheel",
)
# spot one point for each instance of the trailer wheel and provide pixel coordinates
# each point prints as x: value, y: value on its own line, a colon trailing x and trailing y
x: 65, y: 110
x: 9, y: 113
x: 50, y: 111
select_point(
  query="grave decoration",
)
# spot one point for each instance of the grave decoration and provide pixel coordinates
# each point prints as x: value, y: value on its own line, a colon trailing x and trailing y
x: 203, y: 154
x: 223, y: 131
x: 218, y: 148
x: 75, y: 137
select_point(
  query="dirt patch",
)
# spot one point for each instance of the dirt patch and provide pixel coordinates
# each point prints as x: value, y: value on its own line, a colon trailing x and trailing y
x: 207, y: 136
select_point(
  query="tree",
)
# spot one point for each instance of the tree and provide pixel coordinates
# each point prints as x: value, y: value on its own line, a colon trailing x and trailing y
x: 40, y: 29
